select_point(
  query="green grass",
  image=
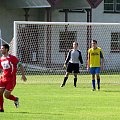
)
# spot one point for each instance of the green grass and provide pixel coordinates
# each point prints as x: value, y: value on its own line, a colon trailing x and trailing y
x: 41, y: 98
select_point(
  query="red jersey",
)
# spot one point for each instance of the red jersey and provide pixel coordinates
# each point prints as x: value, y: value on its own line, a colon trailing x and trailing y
x: 9, y: 67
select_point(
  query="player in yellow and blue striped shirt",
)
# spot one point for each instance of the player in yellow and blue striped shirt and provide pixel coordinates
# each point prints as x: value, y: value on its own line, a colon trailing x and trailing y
x: 95, y: 63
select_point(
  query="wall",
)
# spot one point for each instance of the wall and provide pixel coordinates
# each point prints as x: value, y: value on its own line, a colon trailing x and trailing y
x: 98, y: 15
x: 60, y: 16
x: 8, y: 16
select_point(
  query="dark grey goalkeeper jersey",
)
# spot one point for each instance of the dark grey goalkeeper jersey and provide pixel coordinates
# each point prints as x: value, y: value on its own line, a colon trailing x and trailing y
x: 74, y: 56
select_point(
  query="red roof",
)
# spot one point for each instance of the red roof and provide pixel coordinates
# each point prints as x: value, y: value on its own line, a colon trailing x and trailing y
x: 53, y: 2
x: 94, y: 3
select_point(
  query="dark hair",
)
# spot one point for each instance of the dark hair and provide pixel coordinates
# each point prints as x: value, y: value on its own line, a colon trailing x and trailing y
x: 76, y: 42
x: 94, y: 41
x: 6, y: 46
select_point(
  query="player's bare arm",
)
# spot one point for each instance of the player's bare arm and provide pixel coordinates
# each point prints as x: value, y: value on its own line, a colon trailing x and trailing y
x: 88, y: 62
x: 102, y: 63
x: 22, y: 71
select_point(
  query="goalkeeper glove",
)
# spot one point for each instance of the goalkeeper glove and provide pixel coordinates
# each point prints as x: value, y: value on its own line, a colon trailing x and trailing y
x: 64, y: 66
x: 82, y: 67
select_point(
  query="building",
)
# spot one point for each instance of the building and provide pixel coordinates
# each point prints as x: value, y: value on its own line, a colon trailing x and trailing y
x: 63, y: 11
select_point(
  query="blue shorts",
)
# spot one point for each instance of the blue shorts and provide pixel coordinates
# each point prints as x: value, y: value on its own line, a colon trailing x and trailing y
x: 95, y: 70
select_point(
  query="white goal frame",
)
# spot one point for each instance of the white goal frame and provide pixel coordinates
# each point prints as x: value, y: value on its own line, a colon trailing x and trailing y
x: 75, y: 24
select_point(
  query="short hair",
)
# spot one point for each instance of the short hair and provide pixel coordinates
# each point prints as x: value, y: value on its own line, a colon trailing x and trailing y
x: 6, y: 46
x: 94, y: 41
x: 75, y: 42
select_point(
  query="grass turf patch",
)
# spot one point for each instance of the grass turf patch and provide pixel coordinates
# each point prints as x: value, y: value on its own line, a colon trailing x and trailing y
x: 47, y: 101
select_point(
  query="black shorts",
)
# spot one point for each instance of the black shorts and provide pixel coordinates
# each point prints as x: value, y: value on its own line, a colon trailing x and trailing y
x: 73, y: 67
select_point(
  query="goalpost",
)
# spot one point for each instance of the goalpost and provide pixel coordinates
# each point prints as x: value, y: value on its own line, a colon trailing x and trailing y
x: 2, y: 41
x: 43, y: 46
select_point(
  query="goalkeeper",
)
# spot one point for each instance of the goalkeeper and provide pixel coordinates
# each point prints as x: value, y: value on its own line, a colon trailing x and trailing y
x: 72, y: 63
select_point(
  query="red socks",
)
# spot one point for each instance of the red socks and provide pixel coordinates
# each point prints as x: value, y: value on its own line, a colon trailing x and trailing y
x: 11, y: 97
x: 1, y: 102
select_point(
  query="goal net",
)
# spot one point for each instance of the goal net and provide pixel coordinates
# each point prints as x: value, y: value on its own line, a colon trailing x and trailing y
x: 43, y: 46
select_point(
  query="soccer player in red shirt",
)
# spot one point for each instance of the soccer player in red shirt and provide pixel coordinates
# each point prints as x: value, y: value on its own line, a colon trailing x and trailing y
x: 8, y: 65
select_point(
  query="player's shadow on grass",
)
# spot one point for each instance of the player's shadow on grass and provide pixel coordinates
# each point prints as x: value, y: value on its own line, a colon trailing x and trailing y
x: 20, y: 112
x: 35, y: 113
x: 111, y: 90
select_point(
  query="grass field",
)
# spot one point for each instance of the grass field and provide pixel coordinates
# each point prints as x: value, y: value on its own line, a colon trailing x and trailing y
x: 41, y: 98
